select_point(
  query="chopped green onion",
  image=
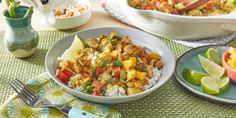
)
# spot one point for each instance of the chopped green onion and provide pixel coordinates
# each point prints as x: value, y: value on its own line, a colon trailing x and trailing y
x: 88, y: 83
x: 104, y: 63
x: 111, y: 80
x: 113, y: 41
x: 103, y: 93
x: 144, y: 69
x: 112, y: 35
x: 89, y: 89
x: 117, y: 63
x: 93, y: 72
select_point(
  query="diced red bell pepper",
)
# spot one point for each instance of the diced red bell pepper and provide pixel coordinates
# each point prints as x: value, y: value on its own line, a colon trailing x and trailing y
x: 157, y: 3
x: 67, y: 72
x: 96, y: 92
x: 99, y: 71
x: 174, y: 12
x: 97, y: 84
x: 63, y: 77
x: 173, y: 3
x: 149, y: 8
x: 166, y: 4
x: 160, y: 9
x: 116, y: 69
x: 116, y: 75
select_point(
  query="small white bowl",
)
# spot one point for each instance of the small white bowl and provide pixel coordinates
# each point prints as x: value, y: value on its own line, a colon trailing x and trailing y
x: 74, y: 21
x: 138, y: 37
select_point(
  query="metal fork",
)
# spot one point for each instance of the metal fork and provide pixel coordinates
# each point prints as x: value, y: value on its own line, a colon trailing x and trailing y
x: 34, y: 100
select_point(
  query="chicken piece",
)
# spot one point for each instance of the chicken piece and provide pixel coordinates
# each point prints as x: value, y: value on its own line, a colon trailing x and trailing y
x: 92, y: 42
x: 119, y: 47
x: 105, y: 45
x: 195, y: 12
x: 145, y: 61
x: 123, y: 74
x: 126, y: 40
x: 138, y: 84
x: 129, y: 49
x: 135, y: 3
x: 130, y: 84
x: 120, y: 57
x: 105, y: 56
x: 152, y: 62
x: 125, y: 56
x: 150, y: 71
x: 77, y: 67
x: 131, y: 91
x: 159, y: 64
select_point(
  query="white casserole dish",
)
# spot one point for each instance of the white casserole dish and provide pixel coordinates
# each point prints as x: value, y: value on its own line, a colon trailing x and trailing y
x: 180, y: 27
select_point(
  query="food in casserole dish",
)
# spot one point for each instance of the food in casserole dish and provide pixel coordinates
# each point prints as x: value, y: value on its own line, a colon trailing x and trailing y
x: 211, y: 8
x: 109, y: 66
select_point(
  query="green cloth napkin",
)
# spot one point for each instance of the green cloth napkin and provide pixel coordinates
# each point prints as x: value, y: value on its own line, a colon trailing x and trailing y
x: 14, y: 107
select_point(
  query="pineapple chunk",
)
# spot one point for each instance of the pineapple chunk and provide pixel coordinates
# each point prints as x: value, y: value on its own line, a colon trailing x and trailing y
x: 134, y: 60
x: 140, y: 75
x: 232, y: 50
x: 232, y: 63
x: 233, y: 56
x: 131, y: 74
x: 114, y: 54
x: 131, y: 62
x: 127, y: 64
x: 131, y: 91
x: 155, y: 56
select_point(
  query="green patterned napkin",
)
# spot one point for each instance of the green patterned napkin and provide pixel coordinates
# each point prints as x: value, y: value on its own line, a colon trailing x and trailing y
x: 14, y: 107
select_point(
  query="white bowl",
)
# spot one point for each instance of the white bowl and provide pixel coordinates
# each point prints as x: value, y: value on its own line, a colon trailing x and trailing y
x: 180, y: 27
x: 137, y: 36
x: 74, y: 21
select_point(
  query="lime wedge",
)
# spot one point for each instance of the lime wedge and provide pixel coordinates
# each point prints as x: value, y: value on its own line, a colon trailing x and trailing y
x: 72, y: 52
x: 192, y: 76
x: 210, y: 67
x: 213, y: 55
x: 214, y: 85
x: 77, y: 44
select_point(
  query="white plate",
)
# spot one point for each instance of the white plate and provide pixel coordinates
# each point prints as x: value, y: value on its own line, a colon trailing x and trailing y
x: 138, y: 37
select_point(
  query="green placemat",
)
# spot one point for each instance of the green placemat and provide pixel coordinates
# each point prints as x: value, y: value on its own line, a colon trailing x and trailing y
x: 171, y: 100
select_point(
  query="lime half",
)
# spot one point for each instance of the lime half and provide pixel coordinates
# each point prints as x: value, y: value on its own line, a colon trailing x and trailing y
x: 214, y: 85
x: 192, y: 76
x: 213, y: 55
x: 210, y: 67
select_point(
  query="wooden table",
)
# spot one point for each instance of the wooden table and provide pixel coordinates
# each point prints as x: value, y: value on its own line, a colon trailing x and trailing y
x: 99, y: 19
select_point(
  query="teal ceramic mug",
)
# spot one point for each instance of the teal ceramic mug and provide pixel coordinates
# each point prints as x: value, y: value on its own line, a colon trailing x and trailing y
x: 20, y: 39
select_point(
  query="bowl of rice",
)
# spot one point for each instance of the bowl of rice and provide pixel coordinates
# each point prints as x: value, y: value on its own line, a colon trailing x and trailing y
x: 110, y: 65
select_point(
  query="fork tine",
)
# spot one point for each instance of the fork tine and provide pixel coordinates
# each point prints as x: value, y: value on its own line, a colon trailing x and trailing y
x: 27, y: 88
x: 22, y: 96
x: 23, y: 91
